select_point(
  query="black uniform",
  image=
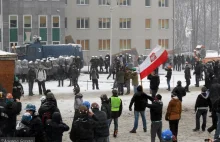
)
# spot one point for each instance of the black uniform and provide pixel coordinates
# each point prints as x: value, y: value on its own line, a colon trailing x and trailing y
x: 101, y: 64
x: 17, y: 90
x: 60, y: 74
x: 94, y: 76
x: 75, y: 75
x: 187, y: 77
x: 31, y: 76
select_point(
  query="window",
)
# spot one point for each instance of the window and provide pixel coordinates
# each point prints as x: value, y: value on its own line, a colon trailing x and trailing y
x: 56, y: 21
x: 43, y: 43
x: 163, y: 3
x: 65, y: 22
x: 84, y: 43
x: 104, y: 44
x: 27, y: 21
x: 56, y: 42
x: 13, y: 44
x: 104, y: 23
x: 125, y: 44
x: 104, y: 2
x: 125, y: 23
x: 163, y: 23
x: 82, y: 2
x: 125, y: 2
x: 164, y: 43
x: 82, y: 23
x: 147, y: 23
x: 13, y: 21
x: 42, y: 21
x: 147, y: 3
x: 147, y: 44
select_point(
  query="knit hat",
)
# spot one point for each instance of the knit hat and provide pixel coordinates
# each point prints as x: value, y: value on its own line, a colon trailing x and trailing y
x: 158, y: 96
x: 140, y: 88
x: 50, y: 95
x: 26, y: 117
x: 83, y: 109
x: 94, y: 106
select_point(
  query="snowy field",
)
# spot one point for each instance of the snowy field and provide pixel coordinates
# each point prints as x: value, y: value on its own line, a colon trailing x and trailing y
x: 65, y: 100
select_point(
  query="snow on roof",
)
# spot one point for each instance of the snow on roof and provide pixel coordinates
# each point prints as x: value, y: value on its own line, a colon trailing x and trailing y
x: 3, y: 53
x: 199, y: 46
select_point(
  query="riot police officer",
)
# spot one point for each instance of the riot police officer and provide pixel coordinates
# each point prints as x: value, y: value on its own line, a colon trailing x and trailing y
x: 101, y: 63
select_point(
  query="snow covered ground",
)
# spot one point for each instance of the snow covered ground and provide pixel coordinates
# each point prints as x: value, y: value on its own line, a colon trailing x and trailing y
x: 65, y: 100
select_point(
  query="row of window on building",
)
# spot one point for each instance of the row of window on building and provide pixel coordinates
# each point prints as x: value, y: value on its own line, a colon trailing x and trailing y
x: 124, y: 23
x: 124, y: 44
x: 161, y: 3
x: 27, y: 21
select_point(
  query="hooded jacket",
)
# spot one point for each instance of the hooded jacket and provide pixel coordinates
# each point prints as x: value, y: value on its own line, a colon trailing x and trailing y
x: 23, y: 129
x: 78, y: 101
x: 156, y: 109
x: 174, y: 109
x: 169, y: 73
x: 179, y: 91
x: 106, y: 108
x: 154, y: 81
x: 203, y: 101
x: 140, y: 100
x: 18, y: 90
x: 55, y: 128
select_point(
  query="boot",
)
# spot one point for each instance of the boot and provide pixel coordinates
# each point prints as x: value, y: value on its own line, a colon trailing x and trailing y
x: 115, y: 133
x: 133, y: 131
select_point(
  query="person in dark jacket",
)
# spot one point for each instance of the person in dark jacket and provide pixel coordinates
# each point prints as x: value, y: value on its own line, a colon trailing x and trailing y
x: 102, y: 126
x: 116, y: 110
x: 48, y: 108
x: 31, y: 76
x: 139, y: 100
x: 23, y: 127
x: 18, y: 90
x: 201, y: 108
x: 84, y: 127
x: 154, y: 83
x: 77, y: 103
x: 75, y: 75
x: 94, y: 76
x: 156, y: 110
x: 12, y: 109
x: 175, y: 63
x: 106, y: 106
x: 55, y: 128
x: 168, y: 76
x: 120, y: 75
x: 36, y: 126
x: 179, y: 91
x: 197, y: 73
x: 61, y: 74
x: 187, y: 73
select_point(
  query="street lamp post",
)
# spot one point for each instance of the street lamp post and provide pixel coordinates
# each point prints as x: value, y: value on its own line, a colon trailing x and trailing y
x: 2, y: 24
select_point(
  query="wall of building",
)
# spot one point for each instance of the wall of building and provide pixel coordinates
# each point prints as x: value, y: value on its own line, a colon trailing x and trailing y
x: 137, y: 12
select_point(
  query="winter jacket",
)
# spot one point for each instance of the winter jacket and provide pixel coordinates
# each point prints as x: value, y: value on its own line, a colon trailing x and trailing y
x: 169, y: 74
x: 140, y: 100
x: 102, y: 128
x: 106, y: 108
x: 94, y: 75
x: 187, y: 73
x: 127, y: 75
x: 134, y: 77
x: 31, y: 76
x: 48, y: 107
x: 23, y: 129
x: 83, y: 130
x: 156, y: 109
x: 78, y: 101
x: 36, y: 129
x: 41, y: 75
x: 154, y: 82
x: 55, y: 128
x: 17, y: 90
x: 179, y: 91
x: 214, y: 92
x: 12, y: 110
x: 197, y: 69
x: 74, y: 73
x: 174, y: 109
x: 120, y: 75
x: 61, y: 72
x: 203, y: 102
x: 116, y: 114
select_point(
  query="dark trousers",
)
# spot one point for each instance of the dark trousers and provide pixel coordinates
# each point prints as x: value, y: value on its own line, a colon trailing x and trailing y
x: 23, y: 77
x: 214, y: 122
x: 203, y: 113
x: 30, y: 85
x: 41, y: 85
x: 187, y: 84
x: 101, y: 68
x: 75, y: 82
x: 174, y: 127
x: 120, y: 88
x: 60, y: 81
x: 197, y: 80
x: 168, y: 83
x: 102, y: 139
x: 156, y: 129
x: 179, y: 67
x: 95, y: 83
x: 154, y: 92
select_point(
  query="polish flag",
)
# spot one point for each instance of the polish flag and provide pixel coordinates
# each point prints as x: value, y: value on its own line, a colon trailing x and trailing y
x: 157, y: 57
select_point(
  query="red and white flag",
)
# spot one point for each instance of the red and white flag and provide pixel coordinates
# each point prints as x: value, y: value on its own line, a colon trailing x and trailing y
x: 157, y: 57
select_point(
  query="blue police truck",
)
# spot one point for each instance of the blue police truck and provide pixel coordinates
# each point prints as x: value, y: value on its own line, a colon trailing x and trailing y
x: 36, y: 50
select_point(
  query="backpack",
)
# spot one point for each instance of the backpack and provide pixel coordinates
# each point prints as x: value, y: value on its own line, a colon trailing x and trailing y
x: 45, y: 117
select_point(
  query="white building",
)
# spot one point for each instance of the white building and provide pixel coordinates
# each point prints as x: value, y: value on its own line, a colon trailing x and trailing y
x: 140, y: 24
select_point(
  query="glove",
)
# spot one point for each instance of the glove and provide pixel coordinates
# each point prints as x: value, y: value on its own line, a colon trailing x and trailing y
x: 130, y: 109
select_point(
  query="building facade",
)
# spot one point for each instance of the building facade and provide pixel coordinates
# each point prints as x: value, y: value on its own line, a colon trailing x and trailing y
x: 23, y: 19
x: 140, y: 24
